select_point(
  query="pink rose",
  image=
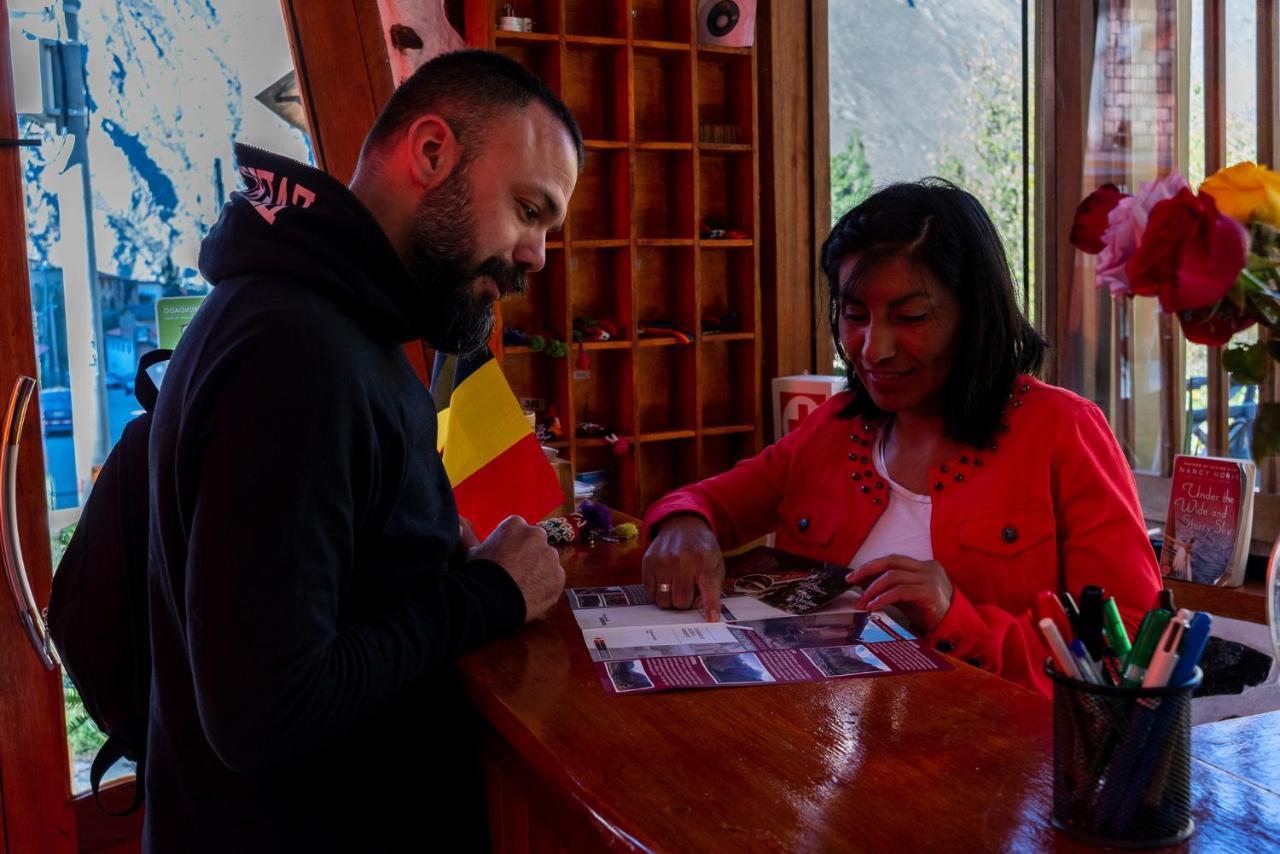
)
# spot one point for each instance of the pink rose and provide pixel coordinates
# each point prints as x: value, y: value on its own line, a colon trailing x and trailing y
x: 1126, y: 223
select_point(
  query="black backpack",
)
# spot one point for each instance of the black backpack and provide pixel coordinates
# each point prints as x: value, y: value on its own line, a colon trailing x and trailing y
x: 97, y: 612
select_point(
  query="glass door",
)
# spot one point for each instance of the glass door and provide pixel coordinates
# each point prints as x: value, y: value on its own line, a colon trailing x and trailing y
x: 127, y: 113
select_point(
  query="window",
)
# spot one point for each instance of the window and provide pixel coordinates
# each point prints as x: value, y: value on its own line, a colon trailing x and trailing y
x: 935, y: 87
x: 1171, y: 86
x: 1031, y: 105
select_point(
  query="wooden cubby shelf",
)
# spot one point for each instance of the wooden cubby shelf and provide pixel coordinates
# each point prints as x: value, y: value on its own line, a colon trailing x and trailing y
x: 724, y: 50
x: 654, y: 46
x: 728, y: 336
x: 618, y: 243
x: 670, y: 138
x: 669, y: 436
x: 505, y: 37
x: 728, y: 430
x: 595, y: 41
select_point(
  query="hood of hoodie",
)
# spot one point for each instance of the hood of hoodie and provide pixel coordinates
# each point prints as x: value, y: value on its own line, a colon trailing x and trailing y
x: 293, y: 221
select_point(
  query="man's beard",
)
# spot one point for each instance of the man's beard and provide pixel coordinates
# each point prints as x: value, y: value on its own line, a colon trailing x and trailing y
x: 442, y: 246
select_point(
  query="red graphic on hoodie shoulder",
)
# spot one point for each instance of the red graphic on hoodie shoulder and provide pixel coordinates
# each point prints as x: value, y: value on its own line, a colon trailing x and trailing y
x: 269, y: 197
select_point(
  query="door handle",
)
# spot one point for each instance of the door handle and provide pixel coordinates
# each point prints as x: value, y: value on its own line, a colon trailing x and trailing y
x: 14, y: 568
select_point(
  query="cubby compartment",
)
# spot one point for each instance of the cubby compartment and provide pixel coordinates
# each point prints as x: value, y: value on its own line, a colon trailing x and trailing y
x: 723, y: 451
x: 540, y: 382
x: 540, y: 310
x: 665, y: 114
x: 661, y: 20
x: 602, y: 392
x: 665, y: 466
x: 664, y: 195
x: 600, y: 289
x: 595, y: 89
x: 726, y: 291
x: 666, y: 389
x: 727, y: 384
x: 600, y: 208
x: 601, y: 18
x: 540, y: 57
x: 726, y: 198
x: 613, y: 474
x: 725, y: 101
x: 664, y: 290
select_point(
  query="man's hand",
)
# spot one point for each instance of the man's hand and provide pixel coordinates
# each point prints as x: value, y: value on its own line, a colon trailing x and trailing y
x: 522, y: 550
x: 685, y: 556
x: 921, y: 589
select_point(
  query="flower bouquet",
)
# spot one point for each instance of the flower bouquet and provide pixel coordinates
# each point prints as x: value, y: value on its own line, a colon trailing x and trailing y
x: 1212, y: 258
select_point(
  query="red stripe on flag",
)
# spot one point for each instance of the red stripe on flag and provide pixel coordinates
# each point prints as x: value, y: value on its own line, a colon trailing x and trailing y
x: 517, y: 482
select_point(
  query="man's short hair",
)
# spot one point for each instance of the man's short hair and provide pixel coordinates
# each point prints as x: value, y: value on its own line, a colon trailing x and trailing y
x: 469, y: 89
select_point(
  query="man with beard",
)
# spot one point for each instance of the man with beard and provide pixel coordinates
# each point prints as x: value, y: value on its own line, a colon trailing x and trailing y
x: 311, y: 584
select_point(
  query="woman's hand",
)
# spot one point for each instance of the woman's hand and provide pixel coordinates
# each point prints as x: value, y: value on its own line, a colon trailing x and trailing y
x: 684, y: 556
x: 921, y: 589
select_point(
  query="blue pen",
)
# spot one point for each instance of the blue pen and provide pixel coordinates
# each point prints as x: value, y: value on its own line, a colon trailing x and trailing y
x: 1193, y: 643
x: 1085, y: 663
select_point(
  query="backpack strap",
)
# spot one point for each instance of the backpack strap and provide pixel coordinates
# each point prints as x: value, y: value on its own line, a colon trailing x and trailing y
x: 144, y: 387
x: 107, y: 756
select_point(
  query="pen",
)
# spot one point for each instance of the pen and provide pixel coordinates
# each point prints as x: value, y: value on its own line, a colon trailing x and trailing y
x: 1089, y: 623
x: 1069, y: 605
x: 1117, y: 637
x: 1144, y: 646
x: 1165, y: 658
x: 1062, y: 658
x: 1048, y: 605
x: 1084, y: 663
x: 1193, y: 643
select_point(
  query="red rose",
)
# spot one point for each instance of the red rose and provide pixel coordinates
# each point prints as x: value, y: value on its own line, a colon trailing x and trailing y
x: 1213, y: 325
x: 1091, y: 218
x: 1190, y: 255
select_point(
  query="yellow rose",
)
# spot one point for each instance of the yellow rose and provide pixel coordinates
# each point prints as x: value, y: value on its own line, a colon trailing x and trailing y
x: 1246, y: 191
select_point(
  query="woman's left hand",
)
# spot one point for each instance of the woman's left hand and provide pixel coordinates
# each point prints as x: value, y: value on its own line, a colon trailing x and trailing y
x: 921, y: 589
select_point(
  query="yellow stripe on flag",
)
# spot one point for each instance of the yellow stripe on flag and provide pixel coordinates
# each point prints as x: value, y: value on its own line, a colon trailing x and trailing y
x: 483, y: 420
x: 442, y: 428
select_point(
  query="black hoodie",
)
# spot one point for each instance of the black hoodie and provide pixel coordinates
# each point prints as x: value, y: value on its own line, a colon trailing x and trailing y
x: 308, y: 604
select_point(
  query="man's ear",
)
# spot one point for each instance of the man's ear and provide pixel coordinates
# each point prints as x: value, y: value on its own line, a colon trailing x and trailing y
x: 432, y: 150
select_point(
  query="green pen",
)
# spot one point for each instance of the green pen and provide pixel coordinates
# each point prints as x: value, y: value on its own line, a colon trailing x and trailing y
x: 1144, y: 646
x: 1117, y: 637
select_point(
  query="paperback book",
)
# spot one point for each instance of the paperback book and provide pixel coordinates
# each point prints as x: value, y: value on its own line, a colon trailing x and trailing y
x: 1210, y: 521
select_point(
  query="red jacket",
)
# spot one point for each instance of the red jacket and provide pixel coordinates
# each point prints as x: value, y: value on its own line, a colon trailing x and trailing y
x: 1050, y: 505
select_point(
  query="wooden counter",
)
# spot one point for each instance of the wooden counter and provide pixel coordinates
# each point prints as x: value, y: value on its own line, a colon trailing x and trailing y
x: 958, y: 760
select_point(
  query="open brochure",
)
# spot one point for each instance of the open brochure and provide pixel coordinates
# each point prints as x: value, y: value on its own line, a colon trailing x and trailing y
x: 639, y: 647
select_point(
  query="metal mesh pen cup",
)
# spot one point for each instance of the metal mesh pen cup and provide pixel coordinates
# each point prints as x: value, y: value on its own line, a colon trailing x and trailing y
x: 1122, y: 762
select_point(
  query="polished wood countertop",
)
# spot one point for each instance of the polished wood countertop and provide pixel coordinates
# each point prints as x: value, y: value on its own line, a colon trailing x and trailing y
x: 958, y: 760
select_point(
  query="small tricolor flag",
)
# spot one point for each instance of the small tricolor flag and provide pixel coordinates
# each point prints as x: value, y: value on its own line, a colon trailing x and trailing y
x: 495, y: 463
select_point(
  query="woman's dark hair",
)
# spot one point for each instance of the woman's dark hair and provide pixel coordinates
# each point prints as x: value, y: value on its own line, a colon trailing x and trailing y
x: 945, y: 232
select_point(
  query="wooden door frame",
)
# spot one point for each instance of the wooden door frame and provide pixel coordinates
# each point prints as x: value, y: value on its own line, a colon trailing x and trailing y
x: 35, y: 809
x: 795, y: 190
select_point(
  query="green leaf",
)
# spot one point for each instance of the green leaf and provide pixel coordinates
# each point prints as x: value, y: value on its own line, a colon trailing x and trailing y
x: 1266, y: 432
x: 1246, y: 363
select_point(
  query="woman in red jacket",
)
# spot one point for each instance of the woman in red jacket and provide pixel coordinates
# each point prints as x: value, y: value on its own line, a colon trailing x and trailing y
x: 953, y: 483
